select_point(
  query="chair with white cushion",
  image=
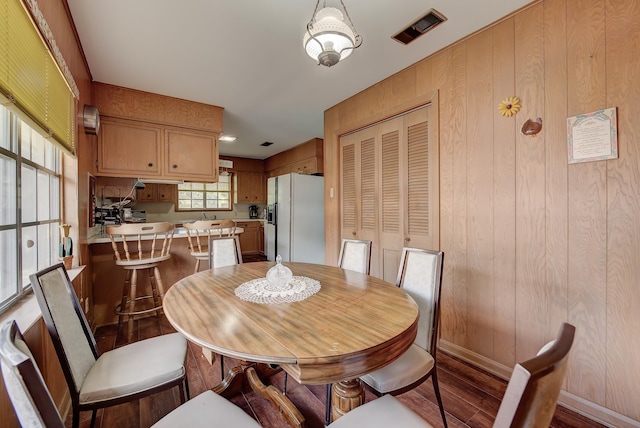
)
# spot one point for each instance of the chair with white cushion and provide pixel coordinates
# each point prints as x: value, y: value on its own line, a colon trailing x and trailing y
x: 224, y: 251
x: 355, y: 254
x: 34, y: 406
x: 124, y: 374
x: 529, y: 401
x: 199, y: 232
x: 420, y: 275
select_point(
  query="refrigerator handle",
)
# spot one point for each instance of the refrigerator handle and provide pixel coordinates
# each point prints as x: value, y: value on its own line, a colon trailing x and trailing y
x: 275, y: 214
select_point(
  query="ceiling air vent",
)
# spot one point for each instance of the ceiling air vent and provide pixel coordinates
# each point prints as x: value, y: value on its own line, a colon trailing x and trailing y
x: 266, y: 144
x: 420, y: 26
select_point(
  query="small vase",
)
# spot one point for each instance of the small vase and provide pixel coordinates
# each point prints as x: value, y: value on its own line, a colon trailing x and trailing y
x: 279, y: 276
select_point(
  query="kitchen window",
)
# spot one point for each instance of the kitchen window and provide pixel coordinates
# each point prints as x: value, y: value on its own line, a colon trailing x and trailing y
x: 206, y: 196
x: 30, y: 209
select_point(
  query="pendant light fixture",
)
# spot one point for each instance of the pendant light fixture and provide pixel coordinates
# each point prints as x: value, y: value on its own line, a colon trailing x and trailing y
x: 329, y: 38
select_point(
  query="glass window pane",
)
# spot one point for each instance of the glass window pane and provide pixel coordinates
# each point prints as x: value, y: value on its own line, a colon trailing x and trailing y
x: 55, y: 197
x: 44, y: 246
x: 184, y: 195
x: 197, y: 186
x: 43, y: 192
x: 197, y: 204
x: 37, y: 148
x: 184, y: 186
x: 29, y: 195
x: 25, y: 140
x: 8, y: 264
x: 5, y: 141
x: 50, y: 158
x: 197, y: 195
x: 224, y: 205
x: 29, y: 253
x: 184, y: 204
x: 8, y: 187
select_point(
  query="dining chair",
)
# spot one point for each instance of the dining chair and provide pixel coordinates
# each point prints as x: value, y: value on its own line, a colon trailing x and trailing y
x: 199, y: 232
x: 140, y: 247
x: 355, y: 254
x: 420, y: 275
x: 222, y: 251
x: 529, y: 401
x: 534, y: 387
x: 98, y: 380
x: 34, y: 406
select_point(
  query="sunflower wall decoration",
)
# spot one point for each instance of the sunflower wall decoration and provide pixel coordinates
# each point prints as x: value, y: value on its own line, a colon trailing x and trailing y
x: 509, y: 106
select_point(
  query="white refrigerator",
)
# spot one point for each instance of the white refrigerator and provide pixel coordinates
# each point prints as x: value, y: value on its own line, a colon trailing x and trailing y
x: 295, y: 218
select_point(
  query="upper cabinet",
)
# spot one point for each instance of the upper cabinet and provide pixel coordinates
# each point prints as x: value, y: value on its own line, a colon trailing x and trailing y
x: 128, y: 148
x: 153, y: 136
x: 307, y: 158
x: 250, y: 188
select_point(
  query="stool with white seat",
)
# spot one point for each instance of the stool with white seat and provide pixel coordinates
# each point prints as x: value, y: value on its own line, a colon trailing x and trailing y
x: 140, y: 246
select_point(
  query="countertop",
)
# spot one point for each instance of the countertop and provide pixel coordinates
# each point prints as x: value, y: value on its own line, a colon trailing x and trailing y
x: 178, y: 232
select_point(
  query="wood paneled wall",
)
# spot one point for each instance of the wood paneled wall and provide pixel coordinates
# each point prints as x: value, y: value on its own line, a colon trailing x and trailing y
x: 529, y: 240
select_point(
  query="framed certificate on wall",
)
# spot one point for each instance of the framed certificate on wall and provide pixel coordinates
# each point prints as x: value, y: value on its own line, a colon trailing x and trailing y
x: 593, y: 136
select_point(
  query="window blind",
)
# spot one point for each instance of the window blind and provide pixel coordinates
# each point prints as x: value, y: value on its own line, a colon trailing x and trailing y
x: 29, y: 75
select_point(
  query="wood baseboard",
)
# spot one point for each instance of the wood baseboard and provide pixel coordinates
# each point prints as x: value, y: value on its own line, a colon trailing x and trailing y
x: 572, y: 402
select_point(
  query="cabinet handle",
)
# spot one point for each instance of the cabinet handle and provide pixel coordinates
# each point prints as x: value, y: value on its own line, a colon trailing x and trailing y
x: 353, y: 233
x: 407, y: 239
x: 149, y: 164
x: 175, y: 166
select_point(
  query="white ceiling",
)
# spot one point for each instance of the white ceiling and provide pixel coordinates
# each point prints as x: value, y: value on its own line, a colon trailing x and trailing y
x: 247, y: 56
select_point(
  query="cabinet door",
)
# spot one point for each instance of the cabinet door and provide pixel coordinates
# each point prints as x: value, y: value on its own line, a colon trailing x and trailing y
x: 359, y: 189
x: 391, y: 198
x: 191, y: 155
x: 128, y: 148
x: 165, y: 192
x: 148, y: 194
x: 250, y: 188
x: 306, y: 166
x: 248, y: 238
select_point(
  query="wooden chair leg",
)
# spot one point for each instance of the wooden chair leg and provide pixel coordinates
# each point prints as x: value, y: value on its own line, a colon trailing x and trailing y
x: 132, y: 302
x: 125, y: 296
x: 156, y: 272
x: 197, y: 266
x: 154, y: 291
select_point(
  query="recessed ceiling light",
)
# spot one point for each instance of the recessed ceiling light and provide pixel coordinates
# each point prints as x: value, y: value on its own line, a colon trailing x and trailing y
x: 228, y: 138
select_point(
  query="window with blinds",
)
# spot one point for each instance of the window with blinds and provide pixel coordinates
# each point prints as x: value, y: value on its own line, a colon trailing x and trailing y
x: 30, y: 79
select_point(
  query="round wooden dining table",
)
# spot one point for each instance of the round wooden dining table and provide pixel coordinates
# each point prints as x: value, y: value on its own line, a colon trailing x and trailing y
x: 352, y: 325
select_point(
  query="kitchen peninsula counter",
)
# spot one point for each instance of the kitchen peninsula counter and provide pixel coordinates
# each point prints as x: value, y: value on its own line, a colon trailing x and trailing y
x: 108, y: 279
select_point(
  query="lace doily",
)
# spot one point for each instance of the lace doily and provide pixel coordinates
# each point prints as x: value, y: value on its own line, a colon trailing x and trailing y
x: 260, y: 291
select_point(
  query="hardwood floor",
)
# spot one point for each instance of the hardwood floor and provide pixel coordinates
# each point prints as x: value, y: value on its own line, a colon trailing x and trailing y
x: 471, y: 396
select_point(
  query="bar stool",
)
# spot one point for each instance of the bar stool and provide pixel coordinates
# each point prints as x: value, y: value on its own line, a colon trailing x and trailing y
x: 140, y: 247
x: 199, y: 232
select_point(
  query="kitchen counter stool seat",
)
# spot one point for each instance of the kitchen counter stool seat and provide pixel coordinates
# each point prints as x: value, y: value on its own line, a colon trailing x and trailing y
x: 140, y: 247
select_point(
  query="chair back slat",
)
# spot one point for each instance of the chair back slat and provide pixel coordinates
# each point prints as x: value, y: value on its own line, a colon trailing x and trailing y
x: 533, y: 390
x: 355, y: 255
x: 131, y: 240
x: 420, y: 275
x: 70, y: 332
x: 25, y: 386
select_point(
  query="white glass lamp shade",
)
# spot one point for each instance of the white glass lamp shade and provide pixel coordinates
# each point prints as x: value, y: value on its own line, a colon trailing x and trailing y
x: 332, y: 40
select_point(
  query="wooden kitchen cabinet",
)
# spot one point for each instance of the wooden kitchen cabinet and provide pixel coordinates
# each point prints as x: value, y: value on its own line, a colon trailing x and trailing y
x: 250, y: 188
x: 156, y: 192
x: 191, y: 155
x: 249, y: 239
x: 129, y: 148
x: 261, y: 238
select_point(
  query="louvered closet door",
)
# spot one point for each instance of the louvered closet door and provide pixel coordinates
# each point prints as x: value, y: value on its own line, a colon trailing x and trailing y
x: 392, y: 218
x: 359, y: 188
x: 422, y: 229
